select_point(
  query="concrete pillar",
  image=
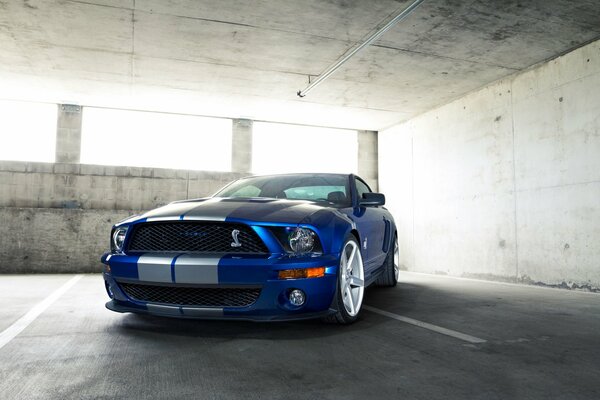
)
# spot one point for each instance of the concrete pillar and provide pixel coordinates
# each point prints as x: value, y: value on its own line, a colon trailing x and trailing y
x: 241, y: 146
x: 368, y: 160
x: 68, y: 134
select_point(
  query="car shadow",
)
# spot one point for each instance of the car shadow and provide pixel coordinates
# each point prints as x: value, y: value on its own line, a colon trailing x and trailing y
x: 402, y: 298
x: 140, y: 324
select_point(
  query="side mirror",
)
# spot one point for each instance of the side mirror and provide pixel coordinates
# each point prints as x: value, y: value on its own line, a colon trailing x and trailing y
x: 372, y: 199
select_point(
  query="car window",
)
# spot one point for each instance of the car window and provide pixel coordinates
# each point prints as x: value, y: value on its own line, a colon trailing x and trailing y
x: 246, y: 191
x: 330, y: 188
x: 361, y: 188
x: 313, y: 192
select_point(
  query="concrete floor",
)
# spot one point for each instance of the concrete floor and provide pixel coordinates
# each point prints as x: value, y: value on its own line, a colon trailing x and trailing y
x: 540, y: 343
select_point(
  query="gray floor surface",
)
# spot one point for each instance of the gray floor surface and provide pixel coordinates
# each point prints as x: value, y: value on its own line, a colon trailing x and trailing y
x: 541, y: 344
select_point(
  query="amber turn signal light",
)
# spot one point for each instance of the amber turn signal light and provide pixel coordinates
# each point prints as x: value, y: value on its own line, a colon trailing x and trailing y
x: 302, y: 273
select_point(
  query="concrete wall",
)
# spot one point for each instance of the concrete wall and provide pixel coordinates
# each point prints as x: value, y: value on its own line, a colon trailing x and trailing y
x: 368, y: 167
x: 68, y: 134
x: 57, y: 217
x: 504, y: 183
x: 241, y: 145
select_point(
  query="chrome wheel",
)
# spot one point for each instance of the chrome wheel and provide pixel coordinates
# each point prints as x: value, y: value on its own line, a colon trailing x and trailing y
x: 352, y: 278
x: 396, y: 260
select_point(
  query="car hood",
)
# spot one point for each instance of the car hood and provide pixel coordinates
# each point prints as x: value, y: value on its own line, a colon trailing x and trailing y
x: 234, y: 209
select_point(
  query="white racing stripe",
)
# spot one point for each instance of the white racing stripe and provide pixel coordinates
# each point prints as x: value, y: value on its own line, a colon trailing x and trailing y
x: 425, y: 325
x: 203, y: 218
x: 155, y: 268
x: 158, y: 219
x: 193, y: 269
x: 160, y: 309
x: 9, y: 333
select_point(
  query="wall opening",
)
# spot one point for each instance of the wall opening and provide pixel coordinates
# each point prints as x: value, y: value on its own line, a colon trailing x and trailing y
x: 27, y: 131
x: 284, y: 148
x: 150, y: 139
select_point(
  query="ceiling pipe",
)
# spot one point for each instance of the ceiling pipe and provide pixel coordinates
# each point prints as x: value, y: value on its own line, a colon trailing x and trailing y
x: 376, y: 35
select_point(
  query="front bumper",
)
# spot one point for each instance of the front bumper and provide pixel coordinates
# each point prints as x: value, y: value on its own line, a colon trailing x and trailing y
x: 214, y: 271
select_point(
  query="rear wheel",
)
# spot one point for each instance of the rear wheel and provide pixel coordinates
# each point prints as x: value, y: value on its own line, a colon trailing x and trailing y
x: 391, y: 267
x: 350, y: 284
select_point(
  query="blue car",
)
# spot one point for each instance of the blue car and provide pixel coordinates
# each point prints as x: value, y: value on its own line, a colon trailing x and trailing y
x: 276, y: 247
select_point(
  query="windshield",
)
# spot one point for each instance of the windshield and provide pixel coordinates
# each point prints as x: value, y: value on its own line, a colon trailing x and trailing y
x: 332, y: 189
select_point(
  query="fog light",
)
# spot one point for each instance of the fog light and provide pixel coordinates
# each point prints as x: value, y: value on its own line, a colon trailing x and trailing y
x: 297, y: 297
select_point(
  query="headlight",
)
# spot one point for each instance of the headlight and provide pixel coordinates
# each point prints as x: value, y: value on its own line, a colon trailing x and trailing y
x: 118, y: 239
x: 301, y: 240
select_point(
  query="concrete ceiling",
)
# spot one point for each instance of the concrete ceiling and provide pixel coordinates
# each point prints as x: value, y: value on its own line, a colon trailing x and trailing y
x: 237, y: 58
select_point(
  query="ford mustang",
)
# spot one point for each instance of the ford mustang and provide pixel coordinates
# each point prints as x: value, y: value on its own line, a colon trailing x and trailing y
x: 273, y: 247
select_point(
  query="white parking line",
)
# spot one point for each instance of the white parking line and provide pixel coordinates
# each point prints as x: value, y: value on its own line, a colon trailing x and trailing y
x: 523, y: 285
x: 431, y: 327
x: 9, y: 333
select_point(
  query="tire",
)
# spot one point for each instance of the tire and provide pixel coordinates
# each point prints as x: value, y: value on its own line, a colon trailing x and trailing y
x: 391, y: 267
x: 350, y: 285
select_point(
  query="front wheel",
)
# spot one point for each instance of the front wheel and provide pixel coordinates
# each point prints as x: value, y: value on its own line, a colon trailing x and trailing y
x: 391, y: 267
x: 350, y: 284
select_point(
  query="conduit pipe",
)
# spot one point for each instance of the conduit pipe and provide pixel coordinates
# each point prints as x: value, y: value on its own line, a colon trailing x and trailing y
x: 355, y: 49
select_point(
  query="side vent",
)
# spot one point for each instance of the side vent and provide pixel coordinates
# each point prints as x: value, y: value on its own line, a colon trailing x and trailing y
x: 386, y: 237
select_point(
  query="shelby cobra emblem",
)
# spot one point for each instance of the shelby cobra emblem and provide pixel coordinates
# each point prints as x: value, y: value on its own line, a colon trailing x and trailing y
x: 236, y: 241
x: 273, y: 247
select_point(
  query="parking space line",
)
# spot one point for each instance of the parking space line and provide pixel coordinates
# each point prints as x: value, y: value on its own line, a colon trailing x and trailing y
x: 425, y: 325
x: 535, y: 286
x: 9, y: 333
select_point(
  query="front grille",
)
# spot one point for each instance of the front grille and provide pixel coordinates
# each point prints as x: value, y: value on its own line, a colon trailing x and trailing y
x: 190, y: 296
x: 194, y: 237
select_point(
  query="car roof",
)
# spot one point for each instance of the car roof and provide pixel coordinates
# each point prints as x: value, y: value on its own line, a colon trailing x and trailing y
x: 298, y: 174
